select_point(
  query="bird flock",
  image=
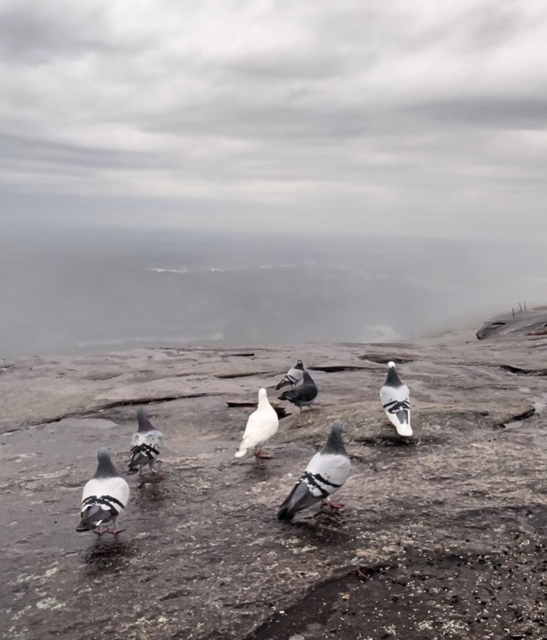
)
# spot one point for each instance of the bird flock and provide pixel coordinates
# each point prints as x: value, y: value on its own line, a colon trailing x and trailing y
x: 106, y: 495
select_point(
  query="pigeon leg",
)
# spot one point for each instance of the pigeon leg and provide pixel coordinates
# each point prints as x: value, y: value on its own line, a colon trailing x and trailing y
x: 260, y: 454
x: 99, y: 530
x: 332, y: 504
x: 115, y: 530
x: 387, y: 423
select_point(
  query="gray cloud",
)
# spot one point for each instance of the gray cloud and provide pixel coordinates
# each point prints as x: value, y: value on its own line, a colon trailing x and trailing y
x: 417, y: 117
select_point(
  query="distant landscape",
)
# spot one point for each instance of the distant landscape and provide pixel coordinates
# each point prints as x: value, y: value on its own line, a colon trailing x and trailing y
x: 82, y: 291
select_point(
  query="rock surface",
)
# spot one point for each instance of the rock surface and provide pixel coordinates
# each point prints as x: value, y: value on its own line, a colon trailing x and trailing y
x: 531, y: 322
x: 441, y: 537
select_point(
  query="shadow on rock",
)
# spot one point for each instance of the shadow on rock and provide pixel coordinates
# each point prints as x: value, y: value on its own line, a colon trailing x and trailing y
x: 259, y: 471
x: 386, y: 441
x: 151, y: 492
x: 108, y: 554
x: 326, y: 527
x: 397, y: 441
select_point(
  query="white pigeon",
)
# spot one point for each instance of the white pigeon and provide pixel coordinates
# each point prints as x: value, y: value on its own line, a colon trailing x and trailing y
x: 293, y: 376
x: 146, y: 445
x: 261, y: 426
x: 395, y: 399
x: 104, y: 497
x: 327, y: 471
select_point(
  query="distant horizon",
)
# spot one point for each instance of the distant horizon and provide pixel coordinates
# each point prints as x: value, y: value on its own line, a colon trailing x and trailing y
x: 21, y: 228
x: 77, y: 291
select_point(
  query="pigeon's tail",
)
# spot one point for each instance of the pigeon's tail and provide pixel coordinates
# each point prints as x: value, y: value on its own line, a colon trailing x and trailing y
x: 137, y: 462
x: 93, y: 518
x: 285, y: 514
x: 241, y: 453
x: 299, y: 498
x: 402, y: 423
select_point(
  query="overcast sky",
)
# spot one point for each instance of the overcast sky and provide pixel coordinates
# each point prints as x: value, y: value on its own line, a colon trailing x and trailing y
x: 414, y: 118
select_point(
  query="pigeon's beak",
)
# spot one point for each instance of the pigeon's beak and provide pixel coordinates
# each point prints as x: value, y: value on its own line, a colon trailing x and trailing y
x: 404, y: 430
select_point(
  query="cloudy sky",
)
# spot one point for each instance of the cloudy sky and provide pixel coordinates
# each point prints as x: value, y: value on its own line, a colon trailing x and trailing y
x: 355, y: 116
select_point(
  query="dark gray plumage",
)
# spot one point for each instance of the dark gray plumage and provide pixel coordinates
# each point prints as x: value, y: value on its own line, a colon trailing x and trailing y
x: 304, y: 395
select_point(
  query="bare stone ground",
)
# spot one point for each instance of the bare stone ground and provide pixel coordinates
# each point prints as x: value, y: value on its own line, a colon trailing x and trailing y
x: 443, y: 537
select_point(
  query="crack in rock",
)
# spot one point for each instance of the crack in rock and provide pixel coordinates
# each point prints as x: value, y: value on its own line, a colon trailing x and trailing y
x: 245, y: 374
x: 111, y: 405
x: 519, y: 371
x: 525, y: 415
x: 378, y: 359
x: 239, y: 355
x: 335, y: 368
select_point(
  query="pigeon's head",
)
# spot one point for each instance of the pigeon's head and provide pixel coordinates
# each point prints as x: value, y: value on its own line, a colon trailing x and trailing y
x: 337, y: 427
x: 299, y: 364
x: 335, y: 444
x: 144, y: 422
x: 391, y: 365
x: 105, y: 468
x: 263, y: 399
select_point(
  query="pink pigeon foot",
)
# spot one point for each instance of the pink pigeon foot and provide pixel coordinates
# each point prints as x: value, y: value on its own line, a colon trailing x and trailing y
x: 332, y: 504
x: 115, y: 532
x: 260, y: 454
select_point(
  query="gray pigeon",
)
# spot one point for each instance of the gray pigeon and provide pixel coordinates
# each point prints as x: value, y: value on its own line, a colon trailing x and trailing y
x: 146, y: 445
x: 304, y: 395
x: 105, y: 496
x: 325, y: 474
x: 293, y: 376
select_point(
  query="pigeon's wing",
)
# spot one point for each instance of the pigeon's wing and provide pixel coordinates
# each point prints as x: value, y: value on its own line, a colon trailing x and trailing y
x: 389, y: 394
x: 288, y: 395
x: 324, y: 475
x: 261, y: 426
x: 102, y: 500
x: 111, y: 492
x: 293, y: 376
x: 309, y: 392
x: 145, y: 448
x: 329, y: 470
x: 253, y: 426
x: 301, y: 497
x: 305, y: 393
x: 154, y: 439
x: 396, y: 403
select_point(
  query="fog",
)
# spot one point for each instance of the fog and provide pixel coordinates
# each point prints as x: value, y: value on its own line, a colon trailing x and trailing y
x: 86, y: 291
